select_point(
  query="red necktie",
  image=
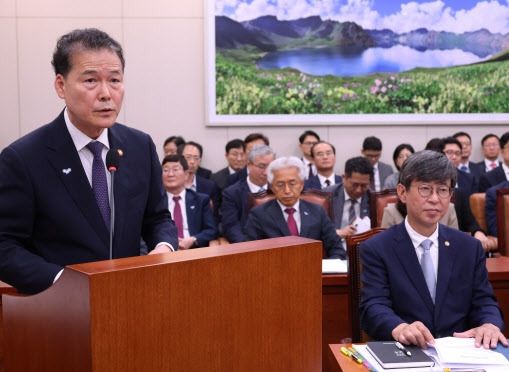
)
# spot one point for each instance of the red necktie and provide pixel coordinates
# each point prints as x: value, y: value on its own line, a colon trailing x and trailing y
x: 493, y: 165
x: 310, y: 170
x: 292, y: 225
x: 177, y: 216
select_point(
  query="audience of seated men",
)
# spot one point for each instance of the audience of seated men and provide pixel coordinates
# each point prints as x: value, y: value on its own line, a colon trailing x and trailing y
x: 324, y: 156
x: 234, y: 208
x: 490, y: 147
x: 466, y: 181
x: 236, y: 159
x: 250, y: 141
x: 190, y: 210
x: 423, y: 280
x: 351, y: 197
x: 286, y: 215
x: 401, y: 153
x: 372, y: 150
x: 465, y: 164
x: 498, y: 174
x: 306, y: 141
x: 490, y: 207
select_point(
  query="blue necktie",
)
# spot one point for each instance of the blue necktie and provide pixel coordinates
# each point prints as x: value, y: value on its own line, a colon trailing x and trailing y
x: 99, y: 183
x: 428, y: 269
x: 464, y: 168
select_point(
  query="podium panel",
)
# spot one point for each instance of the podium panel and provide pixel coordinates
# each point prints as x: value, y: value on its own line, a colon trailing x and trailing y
x: 243, y: 307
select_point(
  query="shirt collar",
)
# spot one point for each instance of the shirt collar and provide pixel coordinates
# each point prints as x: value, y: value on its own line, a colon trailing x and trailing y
x: 375, y: 167
x: 231, y: 170
x: 182, y: 195
x: 506, y: 169
x: 306, y: 162
x: 417, y: 238
x: 348, y: 197
x: 80, y: 139
x: 255, y: 188
x: 296, y: 206
x: 489, y: 162
x: 331, y: 178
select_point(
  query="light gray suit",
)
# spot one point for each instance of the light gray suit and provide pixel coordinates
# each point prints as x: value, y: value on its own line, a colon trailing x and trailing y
x: 338, y: 202
x: 384, y: 171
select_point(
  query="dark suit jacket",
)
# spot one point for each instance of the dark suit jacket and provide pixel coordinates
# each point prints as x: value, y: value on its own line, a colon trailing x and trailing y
x: 234, y: 211
x: 466, y: 220
x: 200, y: 219
x: 267, y: 221
x: 384, y: 171
x: 467, y: 182
x: 314, y: 182
x: 492, y: 178
x: 481, y: 167
x: 338, y: 202
x: 209, y: 188
x: 221, y: 178
x: 394, y: 290
x: 237, y: 176
x: 490, y: 208
x: 204, y: 172
x: 50, y: 219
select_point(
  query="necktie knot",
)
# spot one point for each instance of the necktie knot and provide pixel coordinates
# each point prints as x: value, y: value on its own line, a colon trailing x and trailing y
x: 176, y: 199
x: 426, y: 244
x: 327, y: 182
x: 464, y: 168
x: 290, y: 211
x: 95, y: 148
x: 493, y: 165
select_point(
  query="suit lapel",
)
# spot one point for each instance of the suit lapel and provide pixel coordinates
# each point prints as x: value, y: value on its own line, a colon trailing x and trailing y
x: 63, y: 156
x: 192, y: 212
x: 278, y: 218
x: 365, y: 204
x: 306, y: 218
x: 341, y: 203
x: 447, y: 251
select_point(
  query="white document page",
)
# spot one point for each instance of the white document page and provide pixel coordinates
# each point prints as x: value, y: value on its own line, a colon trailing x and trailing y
x: 334, y: 266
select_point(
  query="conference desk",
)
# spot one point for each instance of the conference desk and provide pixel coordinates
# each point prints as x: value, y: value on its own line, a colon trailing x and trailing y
x: 4, y: 289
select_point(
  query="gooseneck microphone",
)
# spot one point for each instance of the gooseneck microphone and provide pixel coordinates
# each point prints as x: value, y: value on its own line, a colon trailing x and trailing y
x: 112, y: 163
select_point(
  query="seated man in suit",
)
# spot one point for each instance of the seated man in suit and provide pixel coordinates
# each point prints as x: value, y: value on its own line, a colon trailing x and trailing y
x: 490, y: 147
x: 191, y: 210
x: 500, y: 173
x: 372, y: 150
x: 250, y: 141
x: 306, y: 142
x: 421, y: 279
x: 466, y: 181
x: 324, y: 156
x: 236, y: 159
x: 351, y: 197
x: 465, y: 164
x: 490, y: 207
x: 287, y: 215
x: 234, y: 208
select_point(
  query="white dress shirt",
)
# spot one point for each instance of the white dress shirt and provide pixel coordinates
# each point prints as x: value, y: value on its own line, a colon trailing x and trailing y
x: 193, y: 184
x: 417, y: 239
x: 255, y: 188
x: 296, y: 214
x: 506, y: 170
x: 182, y: 202
x: 322, y: 179
x: 467, y: 165
x: 306, y: 164
x: 487, y: 164
x: 376, y: 177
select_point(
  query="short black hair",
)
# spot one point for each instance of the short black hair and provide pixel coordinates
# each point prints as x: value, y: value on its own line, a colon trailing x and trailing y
x: 176, y: 159
x: 255, y: 136
x: 451, y: 141
x: 372, y: 143
x: 319, y: 142
x: 359, y: 164
x: 504, y: 139
x: 177, y: 140
x: 488, y: 136
x: 308, y: 133
x: 234, y: 144
x: 180, y: 148
x: 459, y: 134
x: 85, y: 39
x: 399, y: 149
x: 435, y: 144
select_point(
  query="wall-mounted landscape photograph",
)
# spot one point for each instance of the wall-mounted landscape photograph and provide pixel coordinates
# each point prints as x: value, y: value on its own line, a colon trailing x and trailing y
x: 338, y: 60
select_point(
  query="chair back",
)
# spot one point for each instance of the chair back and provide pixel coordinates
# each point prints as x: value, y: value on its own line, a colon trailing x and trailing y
x: 503, y: 220
x: 377, y: 203
x: 477, y: 202
x: 353, y: 243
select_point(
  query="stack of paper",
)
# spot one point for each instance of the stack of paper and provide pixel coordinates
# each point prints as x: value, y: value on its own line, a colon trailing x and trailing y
x: 334, y: 266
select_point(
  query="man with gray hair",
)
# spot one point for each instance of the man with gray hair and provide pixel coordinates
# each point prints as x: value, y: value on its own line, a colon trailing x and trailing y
x: 234, y: 209
x: 288, y: 215
x: 421, y: 279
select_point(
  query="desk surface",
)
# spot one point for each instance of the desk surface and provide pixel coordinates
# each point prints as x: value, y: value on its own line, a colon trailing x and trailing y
x: 338, y: 362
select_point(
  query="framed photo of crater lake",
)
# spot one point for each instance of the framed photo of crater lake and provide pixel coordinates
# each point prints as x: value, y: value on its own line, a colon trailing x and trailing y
x: 344, y: 62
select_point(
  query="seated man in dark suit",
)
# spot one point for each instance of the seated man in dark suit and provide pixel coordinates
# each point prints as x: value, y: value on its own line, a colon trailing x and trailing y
x: 372, y: 150
x: 306, y: 142
x: 421, y: 279
x: 465, y: 164
x: 490, y: 207
x: 250, y: 141
x: 490, y: 147
x: 236, y: 159
x: 234, y: 208
x: 466, y: 181
x: 500, y: 173
x: 351, y: 197
x: 191, y: 210
x: 324, y: 156
x: 287, y: 215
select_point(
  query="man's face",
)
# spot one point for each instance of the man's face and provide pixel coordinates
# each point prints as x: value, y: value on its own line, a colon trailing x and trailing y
x: 170, y: 149
x: 305, y: 146
x: 356, y: 185
x: 253, y: 143
x: 505, y: 154
x: 491, y: 148
x: 466, y: 147
x: 424, y: 211
x: 236, y: 158
x: 174, y: 177
x: 258, y: 169
x: 192, y: 155
x: 453, y: 153
x: 372, y: 155
x: 93, y: 90
x: 324, y: 156
x: 287, y: 185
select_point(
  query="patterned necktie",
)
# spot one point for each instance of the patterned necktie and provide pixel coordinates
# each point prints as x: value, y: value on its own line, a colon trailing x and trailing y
x: 493, y: 165
x: 99, y: 183
x: 292, y: 225
x: 310, y: 170
x: 327, y: 182
x: 464, y: 168
x: 351, y: 212
x: 177, y: 217
x: 428, y: 268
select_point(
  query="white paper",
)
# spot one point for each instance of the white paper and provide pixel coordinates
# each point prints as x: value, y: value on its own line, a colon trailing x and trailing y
x: 362, y: 225
x: 334, y: 266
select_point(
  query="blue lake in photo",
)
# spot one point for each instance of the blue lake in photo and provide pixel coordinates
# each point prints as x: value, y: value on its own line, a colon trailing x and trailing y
x: 352, y: 61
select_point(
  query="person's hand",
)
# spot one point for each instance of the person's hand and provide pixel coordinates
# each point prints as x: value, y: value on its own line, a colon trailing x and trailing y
x: 163, y: 248
x: 413, y: 334
x: 186, y: 243
x: 487, y: 334
x: 492, y: 243
x: 347, y: 231
x: 484, y: 240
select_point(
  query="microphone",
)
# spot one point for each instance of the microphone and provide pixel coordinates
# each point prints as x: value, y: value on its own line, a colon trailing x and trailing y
x: 112, y: 163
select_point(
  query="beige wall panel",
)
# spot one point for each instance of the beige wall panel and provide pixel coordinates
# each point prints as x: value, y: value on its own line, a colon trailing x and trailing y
x: 7, y: 8
x: 164, y: 8
x: 69, y: 8
x: 37, y: 39
x: 9, y: 118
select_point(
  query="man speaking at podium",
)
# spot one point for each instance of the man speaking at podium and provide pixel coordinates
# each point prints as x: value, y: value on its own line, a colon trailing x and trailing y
x: 54, y: 186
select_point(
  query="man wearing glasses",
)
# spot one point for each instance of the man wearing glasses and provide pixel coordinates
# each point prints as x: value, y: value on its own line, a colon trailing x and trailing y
x: 465, y: 181
x: 423, y: 280
x: 498, y: 174
x: 306, y: 142
x: 324, y: 156
x: 372, y: 150
x: 465, y: 164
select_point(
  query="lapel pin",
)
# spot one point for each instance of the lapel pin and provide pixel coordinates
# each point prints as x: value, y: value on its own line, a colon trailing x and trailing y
x: 120, y: 152
x: 447, y: 244
x: 192, y: 207
x: 66, y: 171
x: 306, y: 213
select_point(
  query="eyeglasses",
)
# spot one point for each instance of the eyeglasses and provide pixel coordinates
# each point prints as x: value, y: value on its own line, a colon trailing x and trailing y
x: 282, y: 185
x: 190, y: 157
x: 173, y: 169
x: 466, y: 143
x: 491, y: 145
x: 322, y: 154
x: 309, y: 143
x: 426, y: 190
x: 451, y: 153
x: 373, y: 156
x: 236, y: 154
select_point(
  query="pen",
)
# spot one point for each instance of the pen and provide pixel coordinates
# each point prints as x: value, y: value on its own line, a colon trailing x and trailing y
x: 345, y: 351
x: 364, y: 361
x: 402, y: 348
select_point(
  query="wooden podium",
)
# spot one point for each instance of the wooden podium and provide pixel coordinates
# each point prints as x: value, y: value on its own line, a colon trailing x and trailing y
x: 253, y: 306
